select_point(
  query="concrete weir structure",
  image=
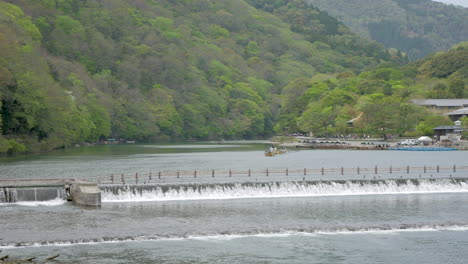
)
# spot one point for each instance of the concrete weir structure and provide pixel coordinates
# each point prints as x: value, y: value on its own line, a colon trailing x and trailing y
x: 78, y: 192
x: 85, y: 193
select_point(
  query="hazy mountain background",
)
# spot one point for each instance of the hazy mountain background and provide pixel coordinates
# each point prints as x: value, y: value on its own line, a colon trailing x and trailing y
x: 463, y: 3
x: 416, y: 27
x: 74, y: 71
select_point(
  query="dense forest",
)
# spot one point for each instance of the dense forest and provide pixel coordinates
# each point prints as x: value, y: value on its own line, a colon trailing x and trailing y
x: 378, y: 100
x: 75, y: 71
x: 416, y: 27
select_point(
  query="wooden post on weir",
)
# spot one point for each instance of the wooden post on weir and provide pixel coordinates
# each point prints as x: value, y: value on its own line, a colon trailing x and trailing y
x: 305, y: 171
x: 195, y: 174
x: 212, y: 173
x: 267, y: 172
x: 230, y: 173
x: 123, y: 179
x: 438, y: 169
x: 112, y: 178
x: 358, y: 172
x: 407, y: 169
x: 323, y: 171
x: 150, y: 176
x: 454, y: 168
x: 249, y: 172
x: 136, y: 177
x: 159, y: 174
x: 390, y: 169
x: 424, y: 168
x: 342, y: 171
x: 286, y: 171
x: 375, y: 169
x: 178, y: 173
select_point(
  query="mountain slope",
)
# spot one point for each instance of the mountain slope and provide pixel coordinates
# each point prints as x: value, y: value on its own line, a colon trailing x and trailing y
x: 417, y: 27
x: 75, y: 71
x: 378, y: 100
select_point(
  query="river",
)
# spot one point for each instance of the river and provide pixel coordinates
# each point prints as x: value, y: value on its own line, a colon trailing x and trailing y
x: 222, y: 219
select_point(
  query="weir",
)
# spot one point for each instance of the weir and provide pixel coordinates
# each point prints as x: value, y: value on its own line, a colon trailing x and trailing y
x: 79, y: 192
x: 205, y: 191
x: 91, y: 194
x: 228, y: 184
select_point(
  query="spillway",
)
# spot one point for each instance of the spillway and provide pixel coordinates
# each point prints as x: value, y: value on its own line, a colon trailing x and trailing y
x: 168, y: 192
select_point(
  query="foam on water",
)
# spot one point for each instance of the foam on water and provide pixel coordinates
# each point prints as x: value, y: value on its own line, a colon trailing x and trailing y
x: 232, y: 236
x: 134, y: 193
x: 54, y: 202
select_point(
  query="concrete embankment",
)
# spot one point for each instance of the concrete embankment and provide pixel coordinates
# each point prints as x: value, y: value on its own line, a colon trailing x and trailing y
x: 363, y: 144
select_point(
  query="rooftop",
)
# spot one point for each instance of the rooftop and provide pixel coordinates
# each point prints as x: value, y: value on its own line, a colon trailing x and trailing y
x: 463, y: 111
x: 441, y: 102
x: 454, y: 128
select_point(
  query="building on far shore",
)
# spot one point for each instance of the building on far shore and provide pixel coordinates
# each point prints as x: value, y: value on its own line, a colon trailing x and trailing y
x: 442, y: 106
x: 448, y: 132
x: 457, y: 114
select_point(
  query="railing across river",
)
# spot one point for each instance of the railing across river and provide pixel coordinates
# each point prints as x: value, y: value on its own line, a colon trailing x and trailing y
x: 286, y: 174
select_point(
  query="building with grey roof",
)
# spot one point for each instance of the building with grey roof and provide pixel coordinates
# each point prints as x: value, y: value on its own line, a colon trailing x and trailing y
x: 457, y: 114
x: 442, y: 106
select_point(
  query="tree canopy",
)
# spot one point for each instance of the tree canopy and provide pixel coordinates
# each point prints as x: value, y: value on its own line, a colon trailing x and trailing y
x: 416, y: 27
x: 73, y: 71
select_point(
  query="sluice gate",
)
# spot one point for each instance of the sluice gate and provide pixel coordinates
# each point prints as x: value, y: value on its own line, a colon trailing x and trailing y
x: 76, y: 191
x: 12, y: 195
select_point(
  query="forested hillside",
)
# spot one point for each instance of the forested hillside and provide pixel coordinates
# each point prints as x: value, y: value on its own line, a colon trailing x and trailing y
x: 416, y: 27
x: 378, y: 100
x: 75, y: 71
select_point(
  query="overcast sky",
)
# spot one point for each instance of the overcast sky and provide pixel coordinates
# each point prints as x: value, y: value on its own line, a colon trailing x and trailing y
x: 455, y: 2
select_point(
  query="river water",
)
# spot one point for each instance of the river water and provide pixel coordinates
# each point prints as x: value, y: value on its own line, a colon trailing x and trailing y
x: 311, y: 219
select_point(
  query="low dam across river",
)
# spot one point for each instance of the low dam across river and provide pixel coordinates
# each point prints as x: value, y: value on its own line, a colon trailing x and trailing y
x: 228, y: 184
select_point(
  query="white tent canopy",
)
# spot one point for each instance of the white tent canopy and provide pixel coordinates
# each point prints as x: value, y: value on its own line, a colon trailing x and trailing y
x: 425, y: 139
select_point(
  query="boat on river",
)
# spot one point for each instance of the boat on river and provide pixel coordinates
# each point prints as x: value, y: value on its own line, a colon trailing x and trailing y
x: 273, y: 151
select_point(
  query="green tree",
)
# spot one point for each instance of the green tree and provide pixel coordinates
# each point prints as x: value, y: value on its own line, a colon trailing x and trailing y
x: 317, y: 119
x: 457, y: 87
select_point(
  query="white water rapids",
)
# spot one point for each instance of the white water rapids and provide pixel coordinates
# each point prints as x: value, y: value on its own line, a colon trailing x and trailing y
x: 135, y: 193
